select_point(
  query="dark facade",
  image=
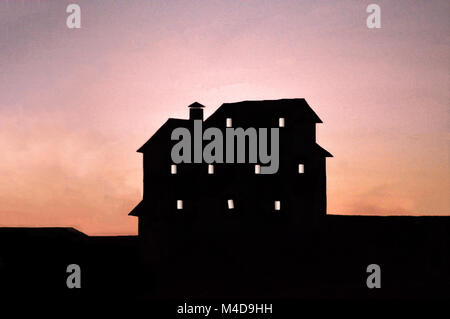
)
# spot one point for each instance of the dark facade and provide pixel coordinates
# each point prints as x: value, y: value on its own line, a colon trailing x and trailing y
x: 231, y: 198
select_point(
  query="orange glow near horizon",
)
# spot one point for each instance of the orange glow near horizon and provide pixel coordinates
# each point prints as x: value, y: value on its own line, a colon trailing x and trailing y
x: 76, y: 104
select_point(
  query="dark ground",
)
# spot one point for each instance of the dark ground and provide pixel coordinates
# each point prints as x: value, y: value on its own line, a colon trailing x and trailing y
x: 271, y: 261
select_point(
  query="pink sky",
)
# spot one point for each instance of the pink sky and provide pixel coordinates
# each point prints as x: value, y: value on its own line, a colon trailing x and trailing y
x: 76, y: 104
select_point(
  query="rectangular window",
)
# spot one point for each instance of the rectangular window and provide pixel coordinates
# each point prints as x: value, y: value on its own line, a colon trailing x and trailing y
x: 281, y: 122
x: 230, y: 204
x: 179, y: 204
x: 277, y: 205
x: 301, y: 168
x: 210, y: 169
x: 257, y: 169
x: 229, y: 122
x: 173, y: 169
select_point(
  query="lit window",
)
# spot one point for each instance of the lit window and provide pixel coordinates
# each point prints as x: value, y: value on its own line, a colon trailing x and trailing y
x: 281, y: 122
x: 179, y: 204
x: 229, y: 122
x: 210, y: 169
x: 230, y: 204
x: 257, y: 169
x: 277, y: 205
x: 301, y: 168
x: 173, y: 169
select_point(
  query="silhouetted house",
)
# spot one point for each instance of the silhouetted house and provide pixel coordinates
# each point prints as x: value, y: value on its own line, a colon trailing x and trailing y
x: 226, y: 230
x: 182, y: 199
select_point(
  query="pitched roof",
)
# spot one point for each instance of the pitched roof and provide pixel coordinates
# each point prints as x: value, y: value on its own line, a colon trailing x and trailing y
x: 283, y: 105
x: 168, y: 126
x: 322, y: 151
x: 137, y: 209
x: 196, y: 104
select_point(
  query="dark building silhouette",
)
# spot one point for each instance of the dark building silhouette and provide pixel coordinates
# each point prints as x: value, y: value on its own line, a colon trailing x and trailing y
x: 273, y: 238
x: 226, y: 231
x: 223, y: 196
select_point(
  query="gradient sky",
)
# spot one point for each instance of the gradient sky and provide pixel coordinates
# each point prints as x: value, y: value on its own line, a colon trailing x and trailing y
x: 75, y: 105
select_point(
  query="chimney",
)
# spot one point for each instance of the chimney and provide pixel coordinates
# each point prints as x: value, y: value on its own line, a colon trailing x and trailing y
x: 196, y: 111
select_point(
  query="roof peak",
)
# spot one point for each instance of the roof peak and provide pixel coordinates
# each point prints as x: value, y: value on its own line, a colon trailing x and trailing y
x: 196, y: 104
x: 269, y: 101
x: 286, y: 104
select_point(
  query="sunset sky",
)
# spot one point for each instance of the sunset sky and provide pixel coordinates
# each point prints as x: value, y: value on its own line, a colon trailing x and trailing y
x: 76, y: 104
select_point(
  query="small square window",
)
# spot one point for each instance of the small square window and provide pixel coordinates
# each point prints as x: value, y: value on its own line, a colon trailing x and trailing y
x: 277, y: 205
x: 229, y: 122
x: 281, y: 122
x: 257, y: 169
x: 210, y: 169
x: 230, y: 204
x: 173, y: 169
x: 301, y: 168
x: 179, y: 204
